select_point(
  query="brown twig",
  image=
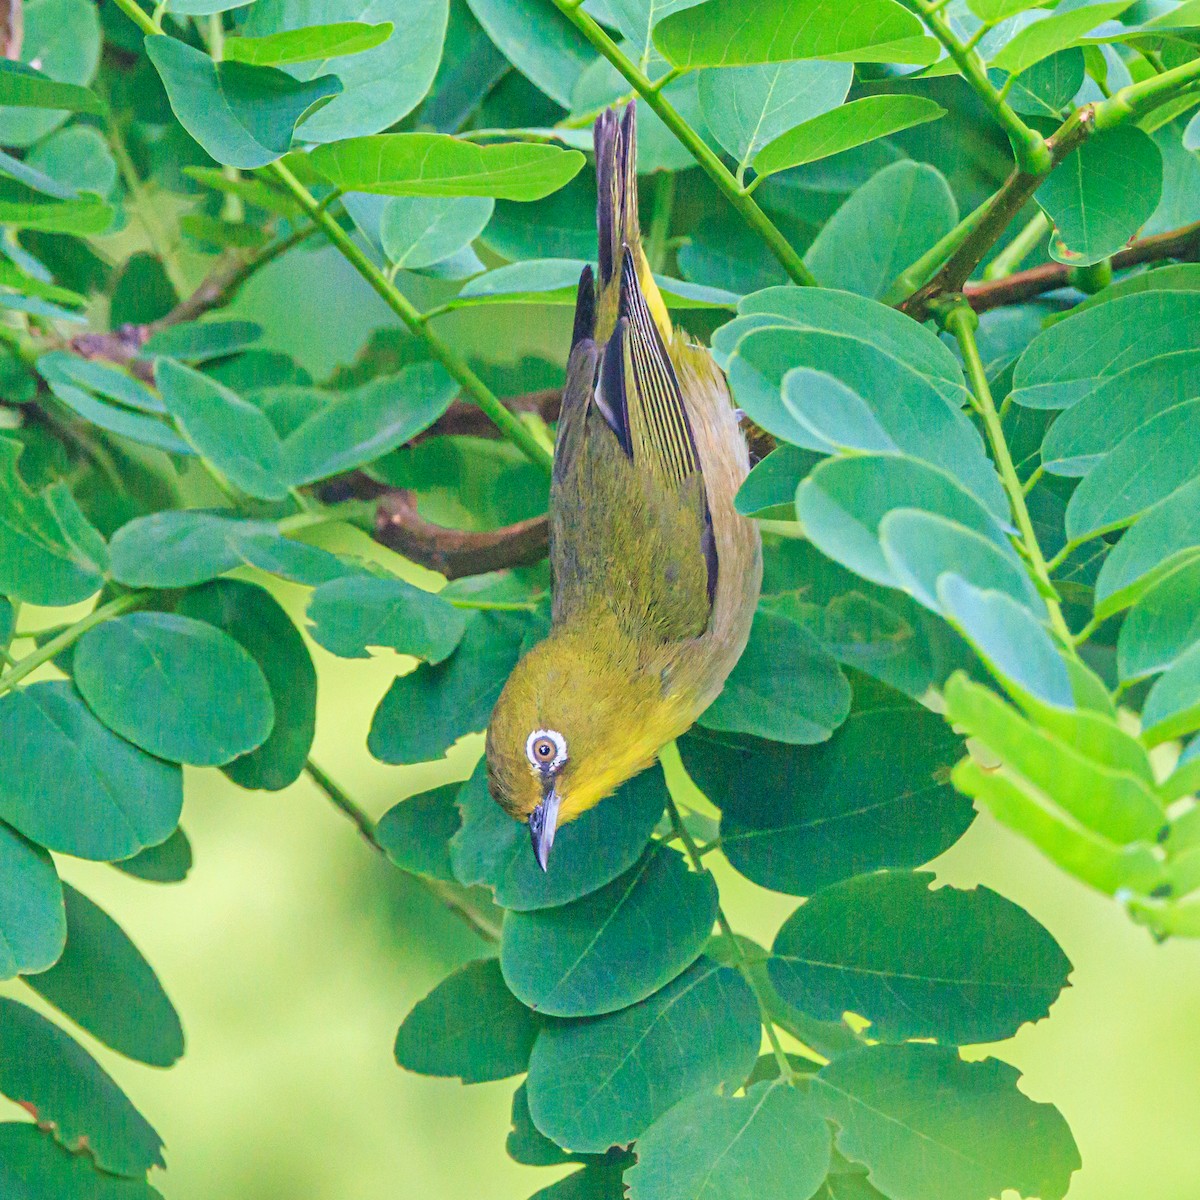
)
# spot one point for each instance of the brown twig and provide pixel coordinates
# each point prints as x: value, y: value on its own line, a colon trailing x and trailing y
x: 456, y: 552
x: 1024, y: 285
x: 12, y: 28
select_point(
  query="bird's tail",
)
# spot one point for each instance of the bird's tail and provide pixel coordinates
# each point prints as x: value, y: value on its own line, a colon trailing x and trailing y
x: 617, y: 220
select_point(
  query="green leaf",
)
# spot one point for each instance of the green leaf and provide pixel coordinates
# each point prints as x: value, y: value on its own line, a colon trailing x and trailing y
x: 308, y: 43
x: 1172, y: 708
x: 920, y: 547
x: 747, y: 107
x: 958, y: 966
x: 355, y: 427
x: 23, y: 87
x: 415, y: 834
x: 864, y: 120
x: 168, y: 862
x: 1157, y: 458
x: 379, y: 86
x: 770, y: 488
x: 455, y: 697
x: 471, y: 66
x: 1013, y: 645
x: 539, y: 41
x: 176, y: 687
x: 75, y: 787
x: 1166, y: 536
x: 493, y: 849
x: 931, y: 1127
x: 597, y: 1181
x: 32, y: 925
x: 998, y: 10
x: 1163, y: 624
x: 726, y: 33
x: 350, y: 614
x: 32, y: 1167
x: 50, y: 1073
x: 137, y: 427
x: 87, y: 215
x: 772, y: 1144
x: 615, y: 946
x: 1103, y: 795
x: 844, y: 500
x: 435, y: 164
x: 602, y: 1082
x: 105, y: 986
x: 1102, y: 193
x: 255, y: 620
x: 229, y: 432
x: 63, y: 38
x: 104, y: 380
x: 527, y: 1144
x: 884, y: 226
x: 196, y: 341
x: 1046, y: 88
x: 1072, y: 359
x: 243, y: 116
x: 38, y: 561
x: 418, y: 231
x: 470, y: 1027
x: 877, y: 794
x: 785, y: 687
x: 1052, y: 33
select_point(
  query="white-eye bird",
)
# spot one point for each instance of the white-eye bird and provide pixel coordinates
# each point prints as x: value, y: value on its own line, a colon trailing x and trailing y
x: 655, y: 575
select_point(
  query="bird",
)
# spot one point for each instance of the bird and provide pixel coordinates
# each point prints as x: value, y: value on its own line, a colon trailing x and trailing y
x: 655, y: 576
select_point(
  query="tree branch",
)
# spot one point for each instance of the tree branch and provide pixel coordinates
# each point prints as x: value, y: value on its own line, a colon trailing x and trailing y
x: 1182, y: 243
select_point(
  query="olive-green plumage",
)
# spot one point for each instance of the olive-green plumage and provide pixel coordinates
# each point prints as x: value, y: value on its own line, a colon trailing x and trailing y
x: 655, y: 575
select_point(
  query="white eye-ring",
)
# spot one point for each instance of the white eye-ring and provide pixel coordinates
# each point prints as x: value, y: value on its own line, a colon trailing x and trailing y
x: 546, y: 750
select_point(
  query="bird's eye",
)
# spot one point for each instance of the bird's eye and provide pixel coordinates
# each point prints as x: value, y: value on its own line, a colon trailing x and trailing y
x: 546, y: 749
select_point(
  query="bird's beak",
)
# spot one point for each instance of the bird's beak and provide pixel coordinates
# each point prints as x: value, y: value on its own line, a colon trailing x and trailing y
x: 543, y: 822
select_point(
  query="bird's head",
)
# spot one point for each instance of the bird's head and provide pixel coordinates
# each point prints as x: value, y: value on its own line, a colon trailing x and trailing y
x: 571, y: 725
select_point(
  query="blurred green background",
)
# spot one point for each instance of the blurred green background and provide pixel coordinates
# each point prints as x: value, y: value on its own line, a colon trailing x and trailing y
x: 293, y: 952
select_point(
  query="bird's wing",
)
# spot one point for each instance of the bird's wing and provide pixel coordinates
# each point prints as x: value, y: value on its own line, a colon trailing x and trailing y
x: 631, y: 529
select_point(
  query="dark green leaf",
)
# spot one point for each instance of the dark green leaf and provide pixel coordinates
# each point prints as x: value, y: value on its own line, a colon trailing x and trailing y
x: 71, y: 785
x: 494, y: 850
x: 602, y: 1082
x: 770, y: 488
x: 731, y: 32
x: 854, y: 124
x: 32, y: 1167
x: 350, y: 614
x: 176, y: 687
x: 538, y: 40
x: 38, y: 561
x: 1102, y: 193
x: 454, y: 697
x: 196, y: 341
x: 958, y: 966
x: 104, y: 985
x: 254, y: 619
x: 243, y: 116
x: 307, y: 44
x: 615, y: 946
x: 470, y: 1026
x: 786, y: 687
x: 877, y: 794
x: 60, y: 367
x: 931, y: 1127
x: 168, y: 862
x: 228, y: 431
x: 44, y: 1069
x: 415, y: 834
x: 379, y: 86
x: 886, y: 224
x: 597, y: 1181
x: 526, y: 1143
x: 435, y: 164
x: 772, y: 1144
x: 32, y: 925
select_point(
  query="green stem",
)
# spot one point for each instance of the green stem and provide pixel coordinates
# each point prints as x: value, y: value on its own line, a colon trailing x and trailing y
x: 1029, y: 146
x: 962, y: 322
x: 1061, y: 557
x: 476, y: 389
x: 1032, y: 481
x: 492, y: 605
x: 694, y: 854
x: 445, y: 892
x: 1019, y: 249
x: 6, y: 645
x: 1087, y: 631
x: 141, y: 19
x: 1139, y: 98
x: 69, y: 636
x: 660, y: 220
x: 716, y: 170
